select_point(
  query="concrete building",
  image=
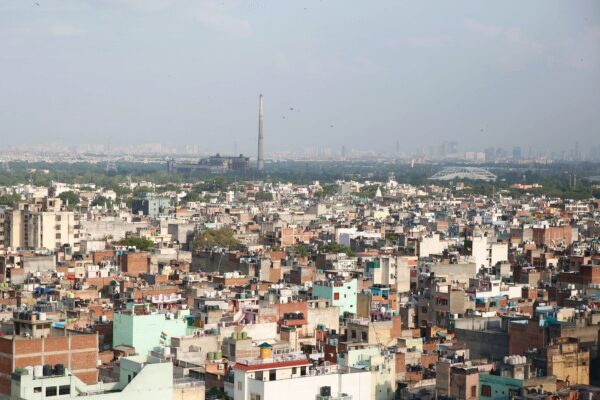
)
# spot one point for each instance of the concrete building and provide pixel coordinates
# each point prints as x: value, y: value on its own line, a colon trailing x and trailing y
x: 340, y: 293
x: 142, y: 329
x: 392, y: 271
x: 139, y: 377
x: 381, y: 365
x: 430, y: 245
x: 565, y: 360
x: 486, y: 253
x: 150, y: 205
x: 293, y: 377
x: 41, y: 223
x: 513, y: 377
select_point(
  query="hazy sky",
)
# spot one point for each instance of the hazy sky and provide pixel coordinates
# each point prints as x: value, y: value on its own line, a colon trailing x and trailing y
x: 361, y: 73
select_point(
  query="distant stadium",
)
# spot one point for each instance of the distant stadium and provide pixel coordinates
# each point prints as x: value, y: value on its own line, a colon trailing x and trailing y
x: 459, y: 173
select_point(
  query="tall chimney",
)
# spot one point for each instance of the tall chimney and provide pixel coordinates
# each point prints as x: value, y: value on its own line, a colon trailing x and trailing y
x: 260, y: 164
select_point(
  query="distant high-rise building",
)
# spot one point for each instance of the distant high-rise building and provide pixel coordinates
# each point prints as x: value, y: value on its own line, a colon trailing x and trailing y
x: 449, y: 147
x: 517, y: 153
x: 490, y: 154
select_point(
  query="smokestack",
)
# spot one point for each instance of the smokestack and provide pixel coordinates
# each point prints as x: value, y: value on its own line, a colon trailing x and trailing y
x: 260, y: 164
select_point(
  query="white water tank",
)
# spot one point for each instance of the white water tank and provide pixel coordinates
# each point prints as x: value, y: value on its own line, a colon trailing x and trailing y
x: 38, y: 371
x: 43, y: 316
x: 166, y: 351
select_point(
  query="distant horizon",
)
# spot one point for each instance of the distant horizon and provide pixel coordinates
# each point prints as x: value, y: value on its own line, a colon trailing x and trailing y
x: 333, y: 73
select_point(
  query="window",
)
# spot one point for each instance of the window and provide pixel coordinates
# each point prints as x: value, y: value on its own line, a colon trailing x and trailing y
x: 336, y: 296
x: 474, y: 391
x: 58, y: 235
x: 364, y: 336
x: 272, y: 375
x: 486, y: 390
x: 37, y: 389
x: 302, y: 371
x: 353, y: 334
x: 294, y: 370
x: 51, y: 391
x: 64, y: 389
x: 239, y: 386
x: 254, y: 396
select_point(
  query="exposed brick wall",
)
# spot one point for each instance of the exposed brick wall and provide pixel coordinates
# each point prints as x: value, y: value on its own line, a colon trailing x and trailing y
x: 102, y: 255
x: 81, y: 357
x: 134, y: 263
x: 523, y: 337
x: 429, y: 358
x: 83, y: 360
x: 400, y: 362
x: 6, y: 346
x: 56, y: 343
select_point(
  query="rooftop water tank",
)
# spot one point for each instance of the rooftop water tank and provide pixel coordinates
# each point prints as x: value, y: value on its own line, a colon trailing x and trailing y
x: 38, y: 371
x: 47, y: 370
x: 59, y: 369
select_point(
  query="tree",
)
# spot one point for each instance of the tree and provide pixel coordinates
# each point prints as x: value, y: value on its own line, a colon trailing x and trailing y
x: 9, y: 200
x: 70, y: 199
x: 102, y: 201
x: 142, y: 190
x: 221, y: 237
x: 141, y: 244
x: 369, y: 191
x: 328, y: 190
x: 263, y: 196
x: 301, y: 250
x: 333, y: 247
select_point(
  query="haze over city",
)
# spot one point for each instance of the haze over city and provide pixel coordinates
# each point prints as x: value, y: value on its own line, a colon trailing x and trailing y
x: 334, y: 73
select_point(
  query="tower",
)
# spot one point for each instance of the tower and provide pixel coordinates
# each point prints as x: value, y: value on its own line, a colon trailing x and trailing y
x: 260, y: 161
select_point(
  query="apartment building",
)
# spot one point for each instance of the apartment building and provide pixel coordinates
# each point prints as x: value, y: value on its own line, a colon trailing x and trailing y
x: 43, y: 223
x: 294, y: 377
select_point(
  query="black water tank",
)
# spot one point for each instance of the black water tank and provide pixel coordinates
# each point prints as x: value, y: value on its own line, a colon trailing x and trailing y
x: 47, y: 370
x: 59, y: 369
x: 326, y: 391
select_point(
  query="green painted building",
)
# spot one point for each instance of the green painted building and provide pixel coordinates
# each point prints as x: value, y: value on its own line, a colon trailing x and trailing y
x: 495, y: 387
x: 142, y: 329
x: 342, y: 294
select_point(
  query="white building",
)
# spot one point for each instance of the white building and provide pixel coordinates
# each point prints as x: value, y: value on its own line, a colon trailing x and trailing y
x: 140, y: 378
x: 293, y: 377
x: 391, y: 271
x: 431, y: 244
x: 487, y: 254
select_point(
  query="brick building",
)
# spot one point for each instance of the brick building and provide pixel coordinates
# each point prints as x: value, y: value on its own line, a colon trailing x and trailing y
x: 77, y: 352
x: 134, y: 263
x: 555, y: 235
